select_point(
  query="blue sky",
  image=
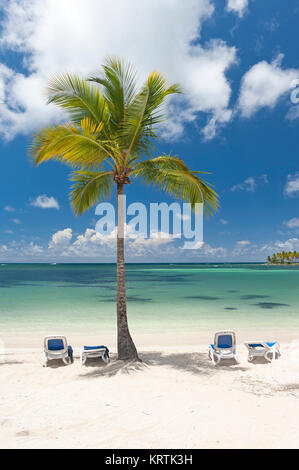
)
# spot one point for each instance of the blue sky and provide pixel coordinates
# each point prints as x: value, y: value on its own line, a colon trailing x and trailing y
x: 237, y: 61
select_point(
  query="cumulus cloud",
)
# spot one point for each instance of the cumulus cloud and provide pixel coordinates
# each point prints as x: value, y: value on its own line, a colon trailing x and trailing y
x: 292, y: 223
x: 93, y: 246
x: 61, y: 239
x: 289, y: 245
x: 153, y: 34
x: 263, y: 85
x: 202, y: 249
x: 248, y: 185
x: 237, y: 6
x: 292, y: 185
x: 45, y: 202
x: 223, y: 222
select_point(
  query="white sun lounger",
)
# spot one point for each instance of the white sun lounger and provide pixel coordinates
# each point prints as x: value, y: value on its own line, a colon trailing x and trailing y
x: 224, y: 347
x: 56, y: 347
x: 263, y: 349
x: 94, y: 351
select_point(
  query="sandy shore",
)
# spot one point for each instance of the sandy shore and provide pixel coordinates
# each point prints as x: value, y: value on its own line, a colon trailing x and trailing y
x: 175, y: 399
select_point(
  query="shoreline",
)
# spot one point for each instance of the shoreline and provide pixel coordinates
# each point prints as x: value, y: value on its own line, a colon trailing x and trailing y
x: 34, y: 340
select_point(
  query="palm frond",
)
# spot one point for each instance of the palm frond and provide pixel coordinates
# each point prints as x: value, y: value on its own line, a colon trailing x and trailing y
x: 72, y: 144
x: 89, y: 188
x: 79, y: 98
x: 171, y: 175
x: 119, y: 86
x: 145, y: 112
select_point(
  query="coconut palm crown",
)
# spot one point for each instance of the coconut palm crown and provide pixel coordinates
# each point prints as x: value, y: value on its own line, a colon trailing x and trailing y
x: 107, y: 142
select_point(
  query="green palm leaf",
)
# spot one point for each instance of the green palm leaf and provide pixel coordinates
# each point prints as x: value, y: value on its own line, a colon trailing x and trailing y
x: 145, y: 113
x: 79, y: 98
x: 171, y: 175
x: 119, y: 87
x: 89, y: 188
x: 72, y: 144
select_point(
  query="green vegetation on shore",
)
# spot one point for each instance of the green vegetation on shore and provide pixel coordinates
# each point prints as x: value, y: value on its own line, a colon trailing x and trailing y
x: 285, y: 257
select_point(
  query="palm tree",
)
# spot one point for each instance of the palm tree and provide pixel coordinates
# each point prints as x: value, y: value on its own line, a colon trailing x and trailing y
x: 107, y: 141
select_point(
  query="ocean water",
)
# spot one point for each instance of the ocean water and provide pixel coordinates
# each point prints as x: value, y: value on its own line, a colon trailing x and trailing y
x: 161, y: 297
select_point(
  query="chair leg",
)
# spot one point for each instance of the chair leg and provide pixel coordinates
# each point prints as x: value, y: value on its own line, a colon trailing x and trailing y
x: 267, y: 356
x: 105, y: 359
x: 236, y: 359
x: 45, y: 361
x: 215, y: 359
x: 278, y: 351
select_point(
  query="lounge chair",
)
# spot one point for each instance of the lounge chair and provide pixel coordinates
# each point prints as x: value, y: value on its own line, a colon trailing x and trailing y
x: 263, y: 349
x: 56, y: 347
x: 94, y: 351
x: 224, y: 347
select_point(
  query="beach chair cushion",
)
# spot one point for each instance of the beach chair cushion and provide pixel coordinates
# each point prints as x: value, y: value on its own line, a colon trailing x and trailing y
x: 259, y: 345
x: 225, y: 342
x: 55, y: 344
x: 212, y: 346
x: 91, y: 348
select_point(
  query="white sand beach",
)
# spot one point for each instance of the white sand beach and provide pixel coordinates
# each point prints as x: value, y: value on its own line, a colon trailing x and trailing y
x: 176, y: 398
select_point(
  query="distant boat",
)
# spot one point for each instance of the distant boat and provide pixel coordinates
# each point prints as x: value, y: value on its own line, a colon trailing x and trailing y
x: 53, y: 264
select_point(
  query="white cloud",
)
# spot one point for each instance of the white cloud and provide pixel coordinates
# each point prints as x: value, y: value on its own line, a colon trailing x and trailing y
x: 45, y: 202
x: 293, y: 113
x: 223, y: 222
x: 251, y: 183
x: 243, y: 242
x: 16, y: 221
x: 61, y: 239
x: 292, y: 185
x: 292, y: 223
x: 289, y: 245
x: 237, y: 6
x: 263, y: 85
x: 248, y: 185
x: 92, y: 246
x: 8, y: 232
x: 153, y: 34
x: 204, y: 249
x: 9, y: 209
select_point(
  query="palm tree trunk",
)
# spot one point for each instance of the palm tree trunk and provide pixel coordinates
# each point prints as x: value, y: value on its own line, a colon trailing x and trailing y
x: 125, y: 346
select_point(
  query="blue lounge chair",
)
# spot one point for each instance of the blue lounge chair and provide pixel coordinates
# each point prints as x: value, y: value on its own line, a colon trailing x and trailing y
x: 224, y: 347
x: 266, y: 349
x: 56, y: 347
x: 94, y: 351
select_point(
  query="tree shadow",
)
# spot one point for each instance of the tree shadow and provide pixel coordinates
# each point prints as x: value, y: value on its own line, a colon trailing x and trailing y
x: 10, y: 363
x: 194, y: 363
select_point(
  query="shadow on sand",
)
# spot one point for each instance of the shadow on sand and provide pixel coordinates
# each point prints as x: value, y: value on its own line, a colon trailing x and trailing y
x: 10, y: 363
x: 194, y: 363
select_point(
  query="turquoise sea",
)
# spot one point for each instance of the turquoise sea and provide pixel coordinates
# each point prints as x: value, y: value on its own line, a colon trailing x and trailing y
x: 161, y: 297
